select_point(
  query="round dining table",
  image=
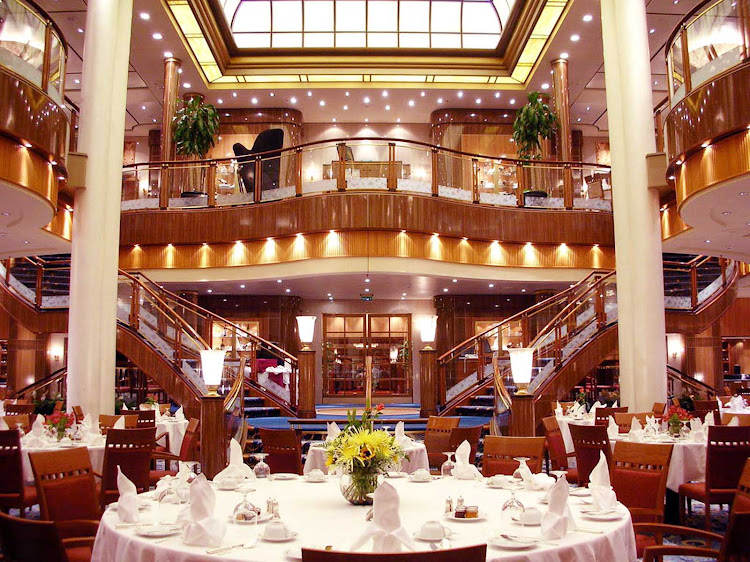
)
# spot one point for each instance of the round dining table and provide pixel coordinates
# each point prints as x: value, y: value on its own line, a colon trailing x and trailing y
x: 417, y: 453
x: 175, y: 430
x: 566, y: 421
x: 323, y: 518
x: 96, y: 453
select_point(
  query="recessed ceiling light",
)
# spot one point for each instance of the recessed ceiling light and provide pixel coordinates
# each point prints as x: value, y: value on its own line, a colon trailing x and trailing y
x: 491, y: 285
x: 143, y: 107
x: 564, y: 55
x: 333, y: 120
x: 309, y: 93
x: 288, y: 290
x: 25, y: 241
x: 367, y: 290
x: 403, y: 294
x: 411, y: 103
x: 255, y: 100
x: 708, y: 241
x: 278, y: 280
x: 743, y: 193
x: 210, y: 291
x: 385, y: 93
x: 587, y: 18
x: 440, y: 100
x: 512, y: 101
x: 242, y: 286
x: 186, y: 84
x: 271, y: 94
x: 398, y: 120
x: 80, y: 30
x: 145, y: 16
x: 366, y: 100
x: 706, y: 144
x: 455, y: 280
x: 671, y: 178
x: 575, y: 37
x: 234, y: 94
x: 652, y: 31
x: 77, y: 81
x: 523, y: 290
x: 460, y: 94
x: 726, y: 213
x: 545, y: 86
x: 497, y: 94
x: 578, y: 120
x: 168, y: 54
x: 422, y: 94
x: 53, y: 162
x: 220, y: 100
x: 478, y: 101
x: 445, y: 290
x: 367, y: 120
x: 387, y: 107
x: 154, y: 120
x: 346, y: 94
x: 588, y: 108
x: 322, y: 103
x: 293, y: 100
x: 5, y: 213
x: 346, y: 108
x: 158, y: 36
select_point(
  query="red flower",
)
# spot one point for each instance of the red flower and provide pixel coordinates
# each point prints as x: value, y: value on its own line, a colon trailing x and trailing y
x: 380, y: 407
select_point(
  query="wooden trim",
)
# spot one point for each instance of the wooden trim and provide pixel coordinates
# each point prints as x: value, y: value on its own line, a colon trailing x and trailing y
x: 365, y: 244
x: 27, y: 170
x: 672, y: 223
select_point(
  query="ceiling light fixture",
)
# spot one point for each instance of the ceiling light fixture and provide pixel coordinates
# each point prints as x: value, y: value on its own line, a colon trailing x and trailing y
x: 460, y: 94
x: 255, y: 101
x: 309, y: 93
x: 545, y: 86
x: 293, y: 100
x: 575, y: 37
x: 652, y: 31
x: 411, y: 103
x: 387, y: 107
x: 513, y: 101
x: 440, y: 100
x: 422, y: 94
x: 564, y: 55
x: 385, y: 93
x: 322, y: 103
x: 158, y: 36
x: 168, y: 54
x: 587, y: 18
x: 366, y: 100
x: 186, y: 84
x: 478, y: 101
x: 346, y: 108
x: 145, y: 16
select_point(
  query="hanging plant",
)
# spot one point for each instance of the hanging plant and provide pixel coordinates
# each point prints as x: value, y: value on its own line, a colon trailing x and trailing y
x: 196, y: 125
x: 535, y: 121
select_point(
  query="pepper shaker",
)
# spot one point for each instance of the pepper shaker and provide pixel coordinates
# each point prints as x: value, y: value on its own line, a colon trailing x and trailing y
x: 449, y: 505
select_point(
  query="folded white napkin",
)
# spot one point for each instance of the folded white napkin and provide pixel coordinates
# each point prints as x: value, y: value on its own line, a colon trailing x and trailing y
x: 463, y: 469
x: 236, y: 469
x: 120, y: 423
x: 613, y: 429
x: 596, y: 405
x: 601, y: 489
x: 179, y: 415
x: 557, y: 521
x: 92, y: 436
x: 332, y: 431
x: 636, y: 431
x: 734, y: 422
x: 385, y: 529
x: 615, y: 405
x: 720, y: 403
x: 3, y: 424
x: 533, y: 481
x: 127, y: 504
x: 709, y: 420
x: 157, y: 414
x: 696, y: 430
x: 558, y: 410
x: 204, y: 528
x: 35, y: 438
x: 125, y: 407
x: 401, y: 439
x: 736, y: 403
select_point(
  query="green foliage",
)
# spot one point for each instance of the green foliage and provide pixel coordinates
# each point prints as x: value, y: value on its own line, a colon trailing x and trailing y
x: 196, y: 125
x: 534, y: 121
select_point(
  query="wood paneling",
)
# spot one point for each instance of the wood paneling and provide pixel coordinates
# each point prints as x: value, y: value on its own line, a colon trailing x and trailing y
x: 736, y: 321
x: 61, y: 224
x: 703, y: 356
x: 26, y: 169
x: 363, y: 244
x: 37, y: 322
x: 672, y: 223
x: 372, y: 211
x: 695, y: 322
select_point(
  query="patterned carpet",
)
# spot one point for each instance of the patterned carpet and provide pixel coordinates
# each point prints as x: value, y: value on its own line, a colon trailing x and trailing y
x: 719, y: 520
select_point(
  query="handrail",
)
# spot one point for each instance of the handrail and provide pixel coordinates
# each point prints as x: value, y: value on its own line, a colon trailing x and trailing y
x: 691, y: 381
x: 41, y: 383
x: 236, y: 388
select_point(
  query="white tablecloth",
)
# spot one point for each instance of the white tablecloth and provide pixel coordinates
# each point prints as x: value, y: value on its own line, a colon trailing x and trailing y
x: 316, y: 458
x: 564, y: 422
x: 321, y: 516
x: 688, y: 462
x: 176, y: 431
x: 96, y: 454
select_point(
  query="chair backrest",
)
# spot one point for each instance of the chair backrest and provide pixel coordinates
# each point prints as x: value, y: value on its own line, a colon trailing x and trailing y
x: 602, y: 414
x: 744, y: 419
x: 23, y: 419
x: 65, y: 484
x: 735, y: 540
x: 703, y: 413
x: 477, y: 553
x: 146, y: 418
x: 658, y: 408
x: 130, y: 449
x: 26, y: 540
x: 164, y: 408
x: 11, y: 467
x: 728, y: 449
x: 705, y: 404
x: 283, y: 448
x: 188, y: 440
x: 437, y: 437
x: 588, y: 440
x: 18, y: 409
x: 499, y: 453
x: 638, y: 474
x: 471, y: 434
x: 624, y: 420
x: 78, y: 413
x: 107, y: 422
x: 555, y: 444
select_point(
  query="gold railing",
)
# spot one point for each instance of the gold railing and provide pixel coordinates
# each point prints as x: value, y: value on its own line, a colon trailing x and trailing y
x: 712, y: 38
x: 370, y: 163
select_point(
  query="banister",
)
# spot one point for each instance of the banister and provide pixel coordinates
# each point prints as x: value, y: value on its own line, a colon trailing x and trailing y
x: 41, y: 383
x: 690, y: 381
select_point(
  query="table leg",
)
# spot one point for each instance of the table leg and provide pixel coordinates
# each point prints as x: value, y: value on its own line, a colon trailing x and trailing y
x: 671, y: 508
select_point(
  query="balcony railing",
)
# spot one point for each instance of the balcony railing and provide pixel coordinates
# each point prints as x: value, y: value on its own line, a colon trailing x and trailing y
x: 33, y: 47
x: 373, y: 163
x: 712, y: 38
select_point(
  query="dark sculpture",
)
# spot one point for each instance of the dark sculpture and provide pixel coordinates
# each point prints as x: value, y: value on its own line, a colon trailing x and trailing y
x: 269, y: 143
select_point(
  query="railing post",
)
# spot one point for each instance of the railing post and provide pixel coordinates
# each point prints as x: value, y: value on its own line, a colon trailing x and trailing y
x: 211, y: 183
x: 341, y: 172
x: 474, y: 180
x: 257, y: 181
x: 568, y: 186
x: 693, y: 286
x: 522, y: 419
x: 46, y: 61
x: 745, y: 23
x: 686, y: 60
x: 306, y: 367
x: 525, y: 339
x: 213, y: 435
x: 39, y: 281
x: 135, y: 307
x: 480, y: 359
x: 428, y: 383
x: 601, y: 316
x: 659, y: 124
x: 233, y: 353
x: 434, y: 175
x: 254, y: 361
x: 164, y: 187
x: 298, y: 173
x: 8, y: 266
x: 520, y: 184
x: 177, y: 345
x: 723, y: 265
x: 392, y: 180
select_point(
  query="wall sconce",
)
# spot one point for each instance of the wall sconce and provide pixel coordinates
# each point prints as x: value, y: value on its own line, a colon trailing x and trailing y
x: 212, y: 366
x: 394, y: 355
x: 427, y: 329
x: 306, y: 330
x: 521, y: 362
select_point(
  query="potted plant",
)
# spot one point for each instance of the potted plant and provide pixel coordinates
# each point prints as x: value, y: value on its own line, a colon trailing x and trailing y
x: 196, y: 125
x: 535, y: 121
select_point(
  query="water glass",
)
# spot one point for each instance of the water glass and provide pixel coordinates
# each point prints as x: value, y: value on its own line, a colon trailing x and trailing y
x: 446, y: 469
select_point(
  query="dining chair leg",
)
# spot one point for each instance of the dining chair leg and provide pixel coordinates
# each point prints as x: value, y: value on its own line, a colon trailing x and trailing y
x: 708, y: 516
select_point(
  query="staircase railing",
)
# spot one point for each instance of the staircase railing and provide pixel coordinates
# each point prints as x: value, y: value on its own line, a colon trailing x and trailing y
x: 55, y: 378
x: 696, y: 386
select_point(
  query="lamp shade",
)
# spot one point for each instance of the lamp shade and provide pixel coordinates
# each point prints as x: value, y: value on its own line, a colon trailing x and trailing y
x: 393, y: 353
x: 306, y: 328
x: 212, y: 365
x: 427, y: 327
x: 521, y: 362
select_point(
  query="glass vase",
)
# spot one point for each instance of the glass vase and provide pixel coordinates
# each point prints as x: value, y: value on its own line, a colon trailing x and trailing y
x: 357, y: 484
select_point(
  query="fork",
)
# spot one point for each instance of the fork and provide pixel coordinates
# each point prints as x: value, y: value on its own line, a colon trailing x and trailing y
x: 223, y: 549
x: 517, y: 538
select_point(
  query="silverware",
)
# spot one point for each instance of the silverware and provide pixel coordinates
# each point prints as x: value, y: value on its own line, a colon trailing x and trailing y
x: 369, y: 515
x: 223, y: 549
x: 519, y: 538
x: 587, y: 530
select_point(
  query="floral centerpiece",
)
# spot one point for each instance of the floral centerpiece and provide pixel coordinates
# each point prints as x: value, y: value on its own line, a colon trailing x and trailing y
x: 58, y: 423
x: 362, y: 453
x: 674, y: 418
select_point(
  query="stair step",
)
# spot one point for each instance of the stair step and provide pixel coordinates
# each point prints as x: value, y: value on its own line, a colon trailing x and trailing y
x: 485, y: 411
x: 253, y: 402
x: 262, y: 412
x: 483, y: 400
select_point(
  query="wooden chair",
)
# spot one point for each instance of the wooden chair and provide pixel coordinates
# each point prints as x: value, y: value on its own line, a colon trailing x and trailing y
x: 734, y: 544
x: 588, y: 440
x: 78, y: 413
x: 283, y: 448
x: 556, y: 447
x: 638, y: 474
x: 107, y: 422
x: 728, y: 449
x: 164, y: 408
x: 23, y: 419
x: 187, y: 450
x: 471, y: 434
x: 437, y: 438
x: 19, y: 409
x: 146, y: 418
x: 703, y: 413
x: 130, y: 449
x: 65, y: 485
x: 13, y: 491
x: 659, y: 408
x: 705, y: 404
x: 744, y: 419
x: 625, y: 420
x: 602, y: 414
x: 31, y: 541
x: 476, y: 553
x: 499, y: 453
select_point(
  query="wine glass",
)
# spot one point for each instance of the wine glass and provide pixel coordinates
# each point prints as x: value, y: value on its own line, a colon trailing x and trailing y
x: 685, y: 429
x: 522, y: 467
x: 512, y: 509
x: 19, y: 427
x: 262, y: 470
x: 558, y: 474
x: 446, y: 469
x: 245, y: 512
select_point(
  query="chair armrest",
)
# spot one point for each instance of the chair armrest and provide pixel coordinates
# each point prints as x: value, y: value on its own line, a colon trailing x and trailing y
x: 163, y: 455
x: 165, y: 434
x: 646, y: 515
x: 657, y: 552
x: 77, y: 528
x: 660, y: 529
x: 96, y: 474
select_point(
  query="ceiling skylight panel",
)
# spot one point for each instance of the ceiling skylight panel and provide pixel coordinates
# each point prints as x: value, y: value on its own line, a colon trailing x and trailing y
x: 480, y: 17
x: 382, y: 15
x: 414, y: 16
x: 319, y: 15
x: 446, y: 17
x: 382, y: 40
x: 253, y: 16
x: 351, y: 15
x: 287, y: 15
x: 414, y: 40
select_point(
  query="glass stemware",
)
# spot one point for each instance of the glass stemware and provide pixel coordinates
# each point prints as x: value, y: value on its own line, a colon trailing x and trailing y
x: 558, y: 474
x: 245, y: 512
x: 685, y: 429
x: 262, y: 470
x: 512, y: 509
x: 446, y: 469
x: 522, y: 466
x: 19, y: 427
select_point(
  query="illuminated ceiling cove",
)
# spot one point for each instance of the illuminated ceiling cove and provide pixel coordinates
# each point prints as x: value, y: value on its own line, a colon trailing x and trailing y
x: 478, y: 44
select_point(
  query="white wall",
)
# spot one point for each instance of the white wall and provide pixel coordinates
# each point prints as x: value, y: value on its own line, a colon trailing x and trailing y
x: 56, y: 351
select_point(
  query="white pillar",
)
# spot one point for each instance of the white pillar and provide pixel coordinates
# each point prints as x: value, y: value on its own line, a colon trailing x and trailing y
x: 640, y: 285
x: 96, y: 223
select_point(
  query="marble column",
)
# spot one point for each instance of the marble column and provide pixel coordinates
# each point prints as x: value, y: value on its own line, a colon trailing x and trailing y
x: 640, y: 286
x: 96, y: 223
x: 562, y: 109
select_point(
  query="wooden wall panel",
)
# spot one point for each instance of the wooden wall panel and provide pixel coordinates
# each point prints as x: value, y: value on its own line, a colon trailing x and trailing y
x: 672, y: 223
x: 736, y: 321
x: 26, y: 169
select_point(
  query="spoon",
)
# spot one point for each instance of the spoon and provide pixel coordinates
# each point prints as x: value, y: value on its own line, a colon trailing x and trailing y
x: 223, y: 549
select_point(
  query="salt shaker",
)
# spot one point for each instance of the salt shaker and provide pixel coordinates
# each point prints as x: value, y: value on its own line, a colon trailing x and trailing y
x: 448, y: 505
x: 276, y: 510
x: 460, y: 502
x: 269, y: 504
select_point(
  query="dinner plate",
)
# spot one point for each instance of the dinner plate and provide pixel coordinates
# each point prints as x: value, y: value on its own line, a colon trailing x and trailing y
x: 430, y: 479
x: 397, y: 475
x: 452, y: 517
x: 316, y: 480
x: 142, y: 505
x: 284, y: 476
x: 157, y: 531
x: 290, y: 537
x: 517, y: 519
x: 262, y: 518
x: 606, y: 515
x: 580, y: 492
x: 516, y: 544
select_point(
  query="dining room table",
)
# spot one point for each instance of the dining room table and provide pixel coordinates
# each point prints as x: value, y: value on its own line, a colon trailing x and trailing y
x: 415, y: 451
x: 174, y: 429
x: 566, y: 421
x: 321, y: 518
x: 96, y: 454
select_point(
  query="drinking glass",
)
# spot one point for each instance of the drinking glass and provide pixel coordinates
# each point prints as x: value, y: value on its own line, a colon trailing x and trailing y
x: 521, y: 465
x: 558, y: 474
x: 513, y: 508
x: 685, y: 430
x: 19, y: 427
x: 262, y: 470
x: 446, y: 469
